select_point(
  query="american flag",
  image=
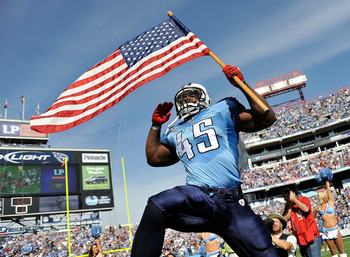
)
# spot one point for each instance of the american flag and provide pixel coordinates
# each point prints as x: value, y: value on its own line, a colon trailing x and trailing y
x: 136, y: 62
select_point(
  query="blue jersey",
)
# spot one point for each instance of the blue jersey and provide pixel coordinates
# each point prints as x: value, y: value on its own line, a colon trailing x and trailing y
x: 207, y: 145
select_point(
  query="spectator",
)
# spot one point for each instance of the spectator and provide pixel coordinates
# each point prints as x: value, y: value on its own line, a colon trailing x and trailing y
x: 298, y: 210
x: 96, y: 249
x: 286, y: 244
x: 330, y: 229
x: 212, y: 247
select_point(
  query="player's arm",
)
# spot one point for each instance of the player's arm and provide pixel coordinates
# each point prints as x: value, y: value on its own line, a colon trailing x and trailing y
x: 256, y: 118
x: 158, y: 154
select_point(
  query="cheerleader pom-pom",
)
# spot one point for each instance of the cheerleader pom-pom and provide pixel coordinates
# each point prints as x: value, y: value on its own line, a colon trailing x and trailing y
x: 318, y: 177
x: 327, y: 174
x: 95, y: 231
x: 27, y: 249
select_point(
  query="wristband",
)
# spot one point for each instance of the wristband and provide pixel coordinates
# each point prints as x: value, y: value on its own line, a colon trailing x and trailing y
x: 155, y: 126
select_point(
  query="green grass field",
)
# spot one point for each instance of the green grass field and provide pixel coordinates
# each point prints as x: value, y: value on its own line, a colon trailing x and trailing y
x: 346, y: 241
x: 16, y: 171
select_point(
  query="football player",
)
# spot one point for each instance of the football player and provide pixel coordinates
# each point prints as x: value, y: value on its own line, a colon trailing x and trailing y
x: 205, y: 138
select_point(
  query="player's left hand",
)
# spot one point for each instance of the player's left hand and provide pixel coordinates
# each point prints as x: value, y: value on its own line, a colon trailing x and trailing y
x: 231, y: 71
x: 162, y: 113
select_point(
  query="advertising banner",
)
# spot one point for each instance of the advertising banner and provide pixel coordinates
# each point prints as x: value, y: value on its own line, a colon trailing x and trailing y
x: 96, y: 177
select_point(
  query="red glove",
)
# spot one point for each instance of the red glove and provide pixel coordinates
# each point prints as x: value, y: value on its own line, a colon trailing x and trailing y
x: 231, y: 71
x: 162, y: 113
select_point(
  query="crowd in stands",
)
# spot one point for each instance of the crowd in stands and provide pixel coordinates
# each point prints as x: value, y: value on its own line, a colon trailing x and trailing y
x: 317, y: 113
x: 314, y: 114
x: 288, y: 171
x: 55, y: 244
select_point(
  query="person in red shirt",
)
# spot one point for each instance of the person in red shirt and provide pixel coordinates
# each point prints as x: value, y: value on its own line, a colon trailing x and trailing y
x: 298, y: 210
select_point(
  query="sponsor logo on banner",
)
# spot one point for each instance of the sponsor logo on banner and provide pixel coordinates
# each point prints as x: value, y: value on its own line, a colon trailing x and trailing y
x: 266, y: 156
x: 97, y: 200
x: 19, y: 130
x: 73, y: 217
x: 19, y: 157
x: 61, y: 157
x: 3, y: 231
x: 91, y: 200
x: 10, y: 129
x: 104, y: 199
x: 32, y: 157
x: 94, y: 158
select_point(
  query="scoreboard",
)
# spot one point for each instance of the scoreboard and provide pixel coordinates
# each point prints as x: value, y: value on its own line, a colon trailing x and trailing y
x: 33, y: 181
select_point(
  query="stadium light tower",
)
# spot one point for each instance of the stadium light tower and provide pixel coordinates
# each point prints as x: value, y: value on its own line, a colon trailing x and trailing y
x: 282, y: 85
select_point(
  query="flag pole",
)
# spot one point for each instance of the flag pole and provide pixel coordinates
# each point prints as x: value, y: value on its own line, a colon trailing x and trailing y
x: 243, y: 86
x: 37, y: 108
x: 67, y: 202
x: 23, y: 103
x: 6, y: 109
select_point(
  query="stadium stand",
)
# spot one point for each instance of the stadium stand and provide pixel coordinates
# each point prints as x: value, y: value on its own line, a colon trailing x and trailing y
x: 304, y: 139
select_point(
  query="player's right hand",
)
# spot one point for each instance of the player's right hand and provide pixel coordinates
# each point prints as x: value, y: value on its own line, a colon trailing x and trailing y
x: 162, y: 113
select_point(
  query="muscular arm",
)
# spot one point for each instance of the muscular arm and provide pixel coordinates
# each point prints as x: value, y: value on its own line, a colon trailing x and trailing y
x: 157, y: 154
x: 255, y: 119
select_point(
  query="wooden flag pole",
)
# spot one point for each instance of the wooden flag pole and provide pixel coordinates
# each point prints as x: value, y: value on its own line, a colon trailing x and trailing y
x: 243, y: 86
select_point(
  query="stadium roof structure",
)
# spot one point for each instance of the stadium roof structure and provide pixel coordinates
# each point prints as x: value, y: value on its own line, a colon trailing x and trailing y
x: 282, y: 85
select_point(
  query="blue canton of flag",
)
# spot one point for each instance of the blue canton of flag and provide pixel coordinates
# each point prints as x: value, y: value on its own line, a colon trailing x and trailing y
x: 152, y: 40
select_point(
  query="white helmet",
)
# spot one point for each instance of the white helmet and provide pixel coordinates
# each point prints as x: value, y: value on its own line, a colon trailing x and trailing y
x: 185, y: 110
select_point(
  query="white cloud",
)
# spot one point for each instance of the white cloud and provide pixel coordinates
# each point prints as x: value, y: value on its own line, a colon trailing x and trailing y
x: 298, y: 26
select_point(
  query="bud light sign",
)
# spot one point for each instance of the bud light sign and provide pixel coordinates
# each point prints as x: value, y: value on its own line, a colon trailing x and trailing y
x: 18, y: 157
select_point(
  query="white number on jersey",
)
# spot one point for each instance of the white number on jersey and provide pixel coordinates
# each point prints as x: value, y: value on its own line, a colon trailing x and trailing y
x: 185, y: 147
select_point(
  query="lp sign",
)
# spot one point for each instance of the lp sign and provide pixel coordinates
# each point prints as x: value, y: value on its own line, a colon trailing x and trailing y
x: 3, y: 230
x: 10, y: 129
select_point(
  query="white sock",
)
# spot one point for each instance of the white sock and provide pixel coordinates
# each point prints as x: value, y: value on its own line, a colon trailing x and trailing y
x: 343, y: 255
x: 336, y: 255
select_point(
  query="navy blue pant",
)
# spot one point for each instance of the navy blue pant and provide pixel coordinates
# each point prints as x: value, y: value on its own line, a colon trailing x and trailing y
x: 193, y: 209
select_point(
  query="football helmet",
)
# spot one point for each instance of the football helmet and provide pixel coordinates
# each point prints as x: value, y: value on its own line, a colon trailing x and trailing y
x: 186, y: 109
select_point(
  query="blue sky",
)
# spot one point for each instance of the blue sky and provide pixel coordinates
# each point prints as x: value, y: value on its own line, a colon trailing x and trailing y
x: 46, y: 45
